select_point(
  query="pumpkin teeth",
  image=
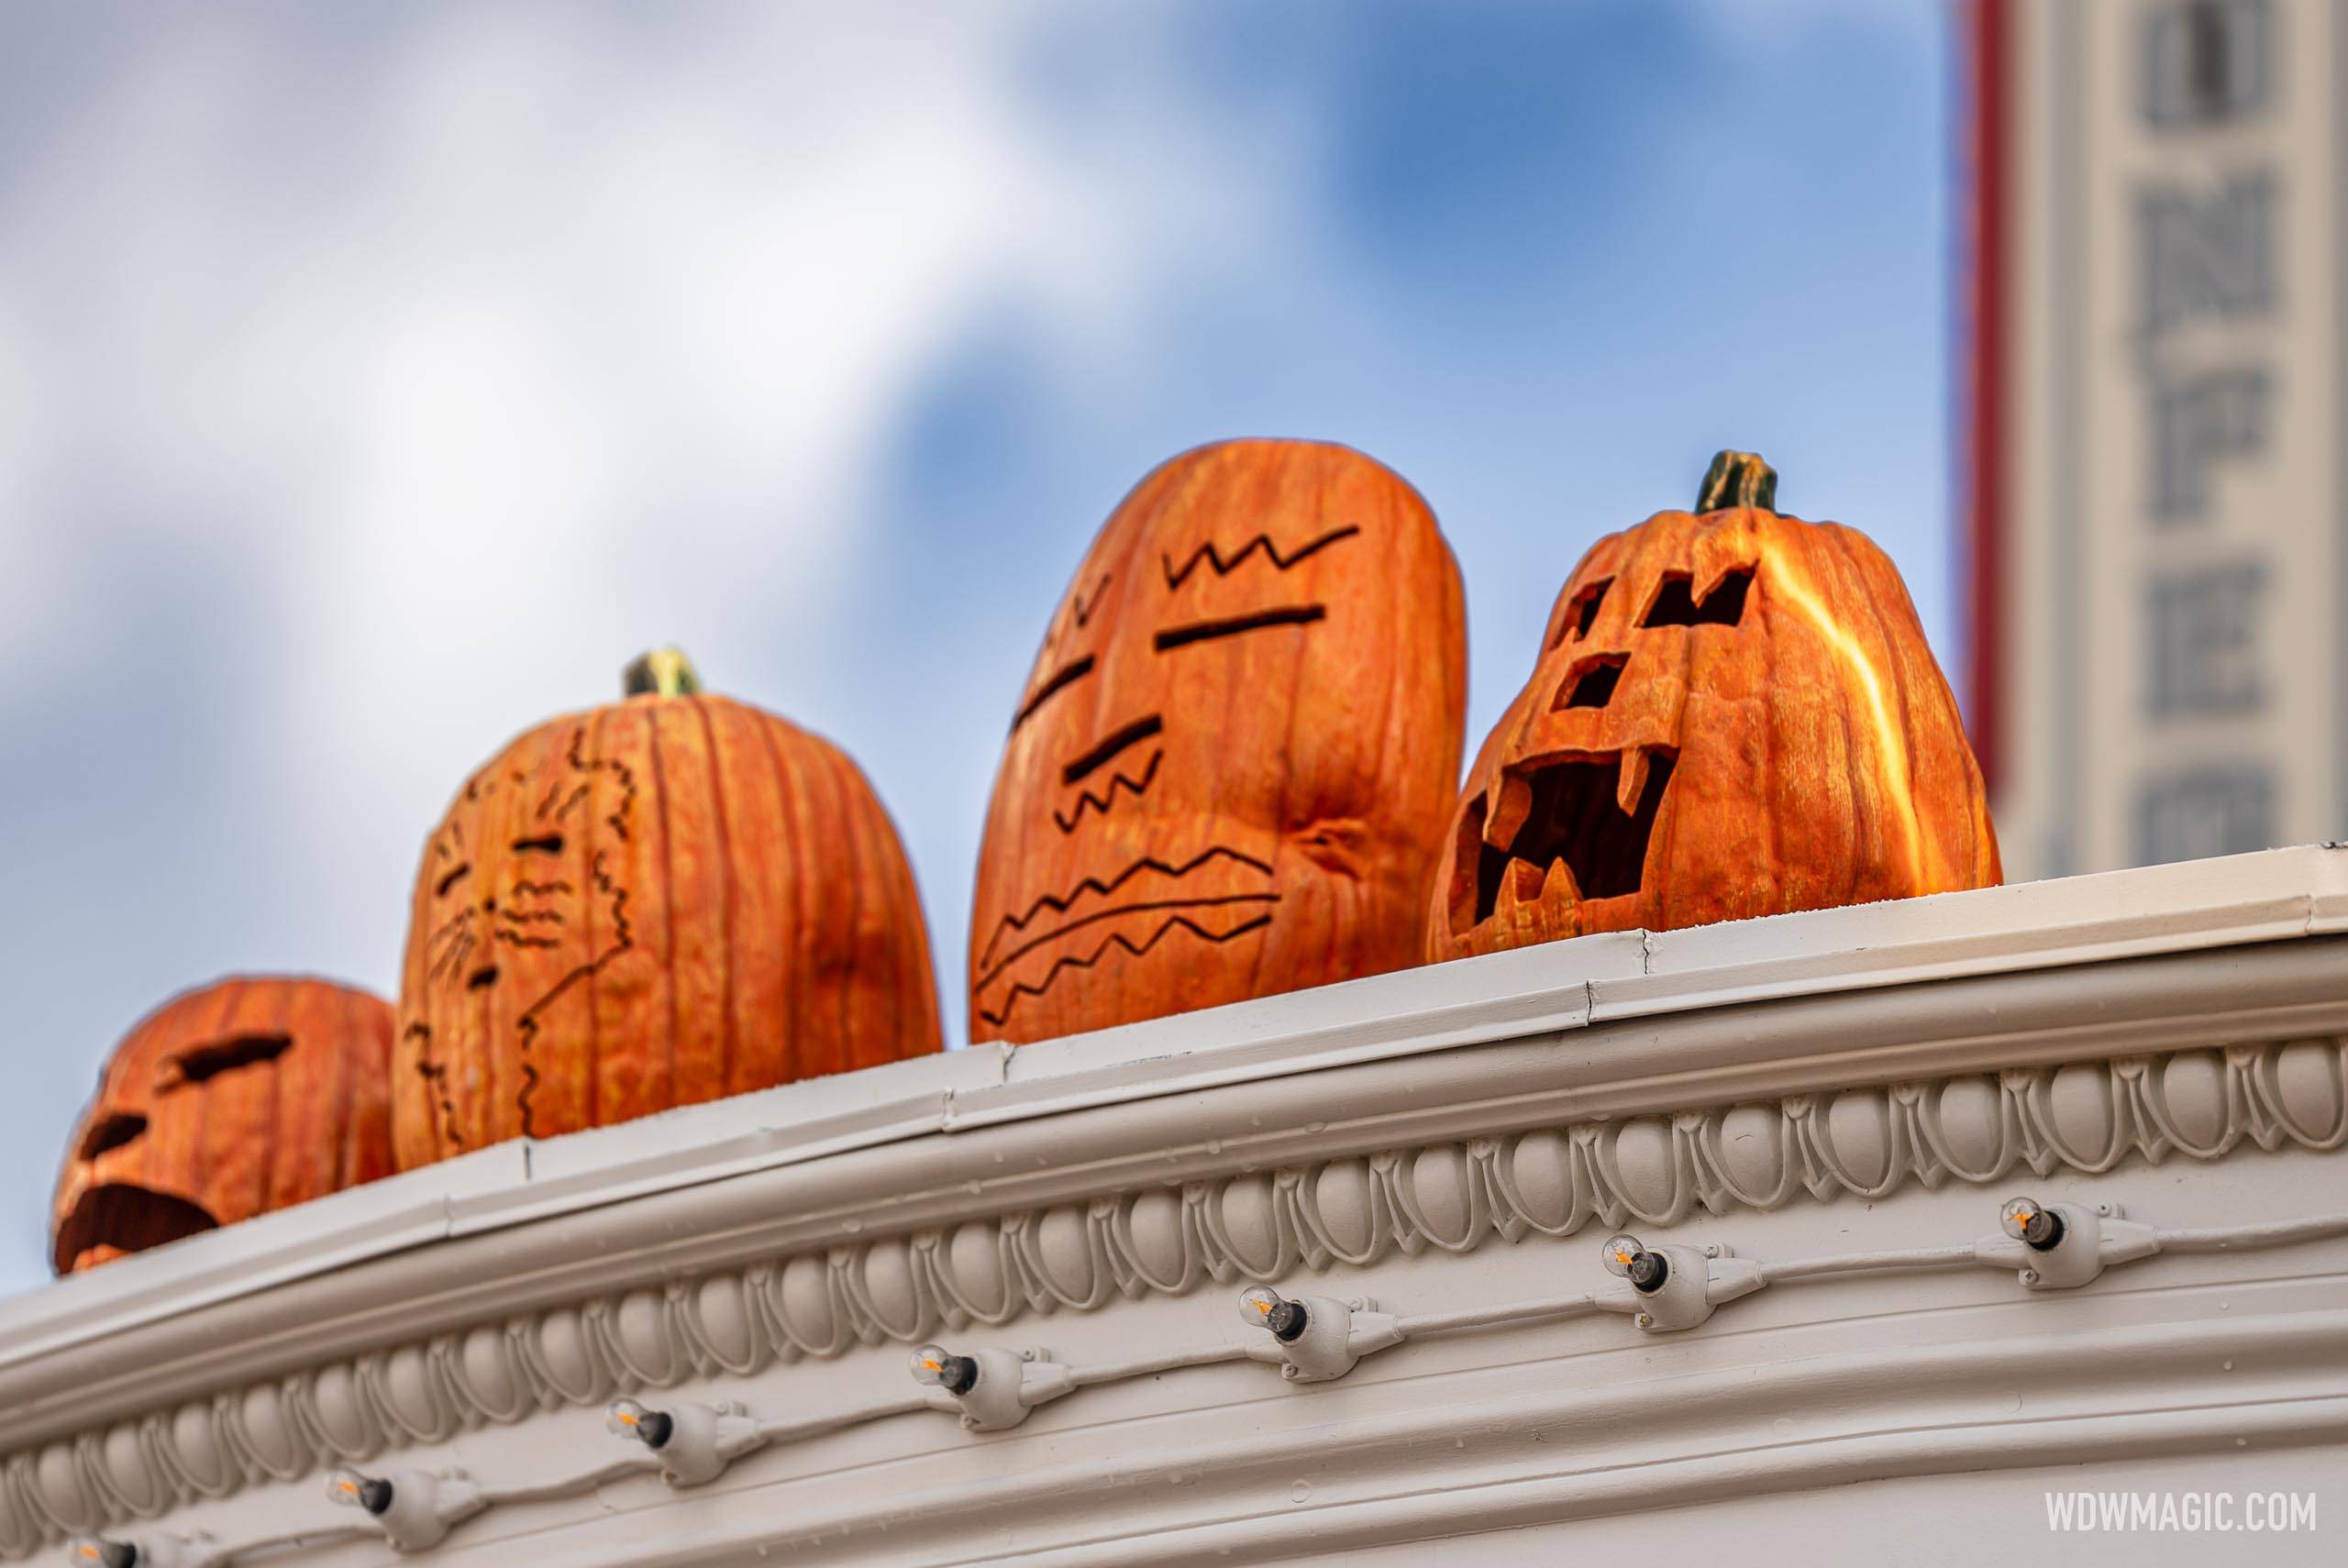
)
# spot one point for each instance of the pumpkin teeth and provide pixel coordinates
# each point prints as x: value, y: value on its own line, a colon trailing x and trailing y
x: 1632, y: 782
x: 1512, y: 798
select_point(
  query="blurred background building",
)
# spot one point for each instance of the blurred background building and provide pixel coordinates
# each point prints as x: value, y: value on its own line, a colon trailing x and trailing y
x: 2158, y: 547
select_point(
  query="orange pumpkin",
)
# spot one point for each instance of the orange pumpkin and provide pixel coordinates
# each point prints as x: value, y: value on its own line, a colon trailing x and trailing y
x: 1734, y: 714
x: 1230, y: 771
x: 651, y: 904
x: 245, y: 1095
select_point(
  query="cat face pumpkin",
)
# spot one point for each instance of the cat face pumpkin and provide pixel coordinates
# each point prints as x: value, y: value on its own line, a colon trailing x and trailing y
x: 1228, y: 773
x: 656, y: 903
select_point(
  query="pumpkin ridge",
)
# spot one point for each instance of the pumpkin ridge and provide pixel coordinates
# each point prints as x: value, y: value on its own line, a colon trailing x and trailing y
x: 721, y: 816
x: 787, y: 1022
x: 668, y: 958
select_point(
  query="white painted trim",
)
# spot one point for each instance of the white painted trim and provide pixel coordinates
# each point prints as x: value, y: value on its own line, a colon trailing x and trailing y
x: 1571, y: 1040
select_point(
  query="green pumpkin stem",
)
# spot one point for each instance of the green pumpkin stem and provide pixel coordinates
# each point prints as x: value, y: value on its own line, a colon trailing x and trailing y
x: 1738, y: 479
x: 663, y: 672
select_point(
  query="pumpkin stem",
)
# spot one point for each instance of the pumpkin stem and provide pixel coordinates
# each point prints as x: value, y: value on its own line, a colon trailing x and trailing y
x: 663, y: 672
x: 1738, y: 479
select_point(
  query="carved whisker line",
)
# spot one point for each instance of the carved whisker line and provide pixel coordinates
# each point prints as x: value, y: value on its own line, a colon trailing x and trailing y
x: 448, y: 927
x: 1102, y: 802
x: 532, y: 917
x: 1116, y: 939
x: 515, y: 939
x: 1058, y: 904
x: 452, y: 957
x: 1223, y: 566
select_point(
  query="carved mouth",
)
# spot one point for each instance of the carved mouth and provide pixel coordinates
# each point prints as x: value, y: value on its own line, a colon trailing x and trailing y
x: 118, y: 1218
x: 1587, y: 821
x: 1117, y: 917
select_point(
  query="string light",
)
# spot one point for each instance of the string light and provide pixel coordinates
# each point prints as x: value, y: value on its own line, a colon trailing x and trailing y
x: 1264, y: 1307
x: 937, y: 1367
x: 628, y: 1418
x: 2032, y: 1223
x: 1627, y: 1256
x: 353, y: 1490
x: 104, y: 1553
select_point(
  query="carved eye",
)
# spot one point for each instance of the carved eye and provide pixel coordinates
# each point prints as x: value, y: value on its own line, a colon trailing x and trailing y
x: 1066, y: 676
x: 549, y: 843
x: 205, y: 1062
x: 1675, y: 606
x: 1582, y: 614
x: 1207, y: 630
x: 113, y: 1132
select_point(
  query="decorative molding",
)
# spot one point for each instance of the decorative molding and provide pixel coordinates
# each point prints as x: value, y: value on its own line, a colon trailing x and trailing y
x: 1447, y: 1196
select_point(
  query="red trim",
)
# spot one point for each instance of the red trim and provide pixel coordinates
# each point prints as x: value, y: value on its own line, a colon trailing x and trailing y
x: 1985, y: 288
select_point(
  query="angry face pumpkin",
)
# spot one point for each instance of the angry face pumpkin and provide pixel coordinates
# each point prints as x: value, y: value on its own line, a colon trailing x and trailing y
x: 1734, y: 714
x: 247, y: 1095
x: 1229, y: 771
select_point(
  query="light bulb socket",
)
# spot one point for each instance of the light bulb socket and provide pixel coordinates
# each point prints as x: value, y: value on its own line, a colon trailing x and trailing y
x: 375, y: 1494
x: 2043, y: 1231
x: 957, y: 1374
x: 655, y: 1428
x: 1287, y: 1321
x: 1648, y: 1271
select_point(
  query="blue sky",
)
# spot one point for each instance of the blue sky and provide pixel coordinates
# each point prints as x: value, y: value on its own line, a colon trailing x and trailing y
x: 375, y: 381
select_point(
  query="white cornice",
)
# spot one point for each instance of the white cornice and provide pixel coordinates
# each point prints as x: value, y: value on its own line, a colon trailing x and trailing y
x: 2199, y: 906
x: 1566, y: 1042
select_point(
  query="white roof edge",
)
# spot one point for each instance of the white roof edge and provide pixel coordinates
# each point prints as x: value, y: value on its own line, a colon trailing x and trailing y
x: 2241, y: 899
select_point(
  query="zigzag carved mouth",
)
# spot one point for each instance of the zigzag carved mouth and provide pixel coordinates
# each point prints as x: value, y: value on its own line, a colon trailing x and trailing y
x: 1117, y: 939
x: 1576, y: 819
x: 1059, y: 904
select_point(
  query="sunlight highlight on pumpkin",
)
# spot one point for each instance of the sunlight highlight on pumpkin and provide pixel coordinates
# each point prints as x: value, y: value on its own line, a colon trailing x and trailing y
x: 1785, y: 580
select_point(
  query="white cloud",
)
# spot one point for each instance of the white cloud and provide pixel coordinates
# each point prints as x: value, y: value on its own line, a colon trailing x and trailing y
x: 533, y: 338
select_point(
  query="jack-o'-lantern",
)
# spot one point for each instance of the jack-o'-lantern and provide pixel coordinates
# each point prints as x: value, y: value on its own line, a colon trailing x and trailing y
x: 248, y: 1095
x: 1230, y: 771
x: 1734, y: 714
x: 656, y: 903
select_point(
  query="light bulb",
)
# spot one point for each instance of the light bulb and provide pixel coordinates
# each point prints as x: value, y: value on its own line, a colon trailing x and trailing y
x: 625, y: 1418
x: 353, y: 1490
x: 2028, y: 1221
x: 937, y: 1367
x: 1628, y: 1257
x: 1265, y: 1308
x: 102, y: 1553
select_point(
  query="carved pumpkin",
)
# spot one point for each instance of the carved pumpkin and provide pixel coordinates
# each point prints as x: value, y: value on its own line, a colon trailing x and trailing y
x: 1734, y: 714
x: 245, y: 1095
x: 664, y: 901
x: 1230, y: 771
